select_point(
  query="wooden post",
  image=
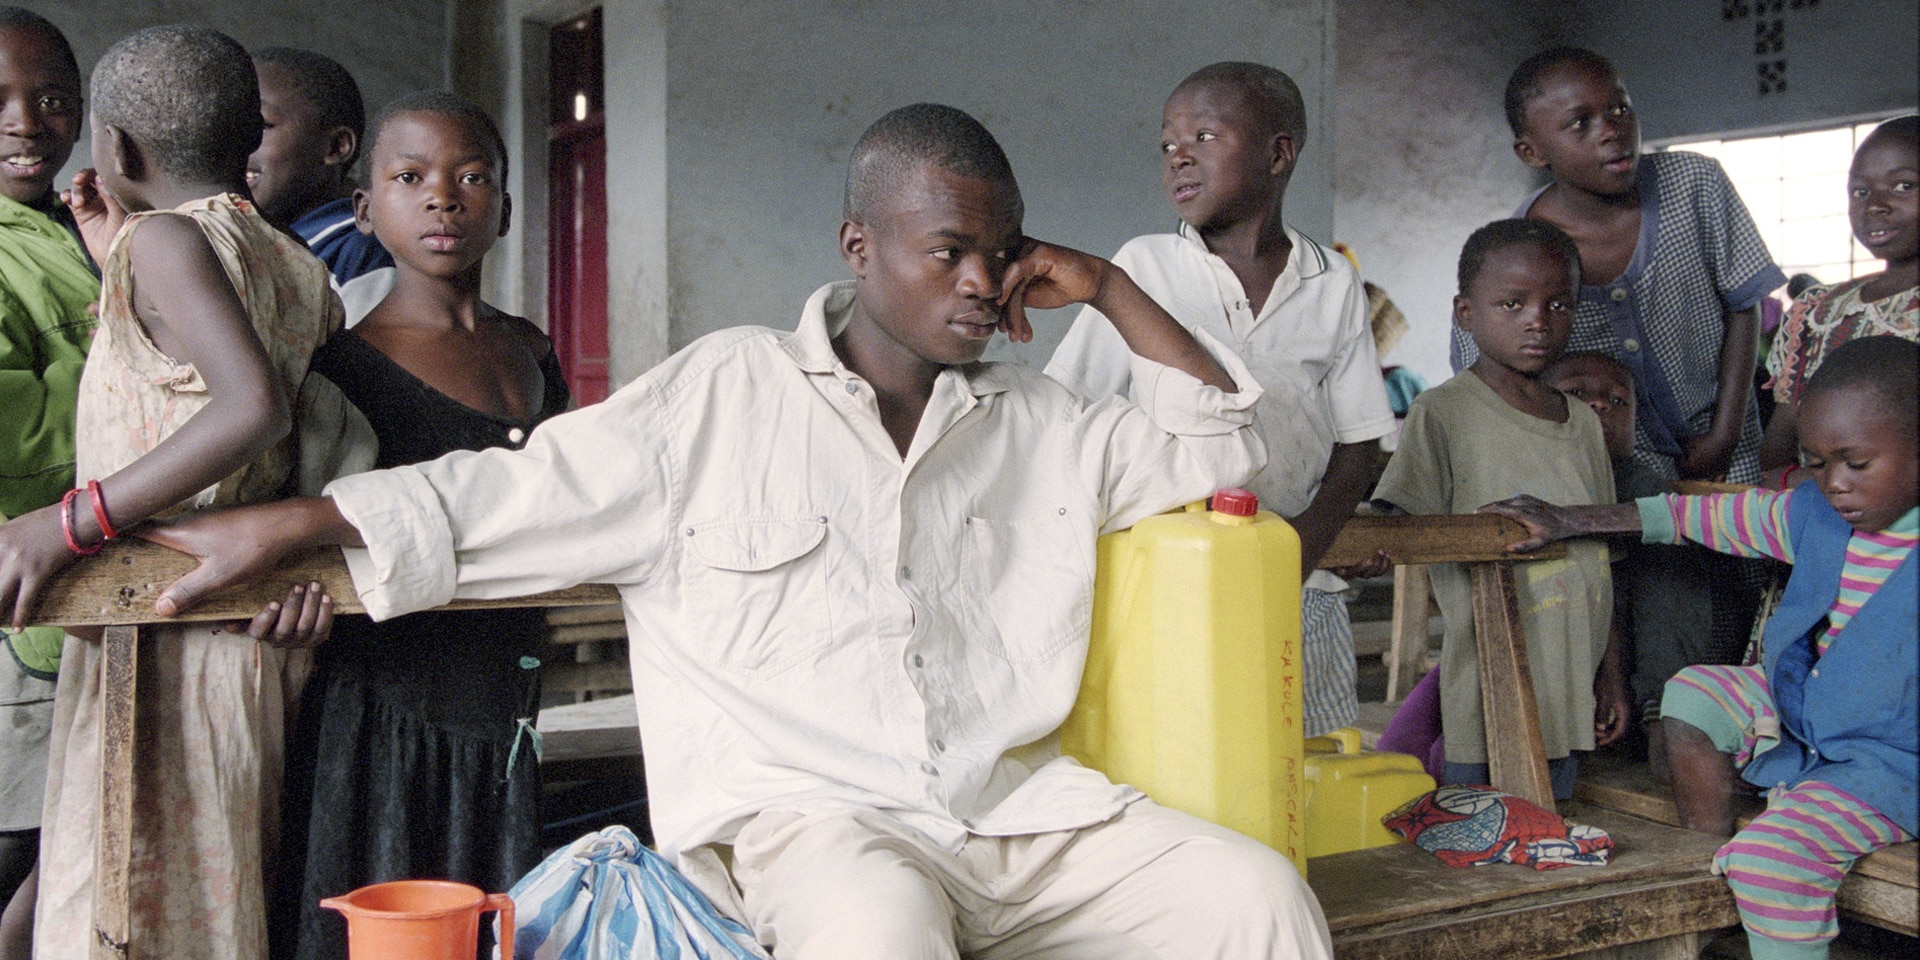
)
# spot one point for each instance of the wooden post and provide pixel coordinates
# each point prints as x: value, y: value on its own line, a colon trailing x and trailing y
x: 113, y: 850
x: 1516, y: 758
x: 1407, y: 651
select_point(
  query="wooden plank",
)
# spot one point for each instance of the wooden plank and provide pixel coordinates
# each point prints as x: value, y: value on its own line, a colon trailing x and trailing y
x: 577, y: 677
x: 1571, y: 923
x: 1701, y: 488
x: 1411, y: 631
x: 113, y: 838
x: 1883, y: 888
x: 1377, y: 887
x: 119, y: 585
x: 578, y: 633
x: 598, y: 613
x: 1516, y: 758
x: 1880, y: 902
x: 1466, y: 538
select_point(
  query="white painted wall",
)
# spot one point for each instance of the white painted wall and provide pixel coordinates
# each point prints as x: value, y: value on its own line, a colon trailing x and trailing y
x: 391, y: 47
x: 1425, y: 155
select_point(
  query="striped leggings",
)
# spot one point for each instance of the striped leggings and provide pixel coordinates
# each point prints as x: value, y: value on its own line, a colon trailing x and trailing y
x: 1786, y: 865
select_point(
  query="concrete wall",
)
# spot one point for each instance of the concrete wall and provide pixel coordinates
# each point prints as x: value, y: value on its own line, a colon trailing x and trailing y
x: 391, y: 47
x: 1695, y: 72
x: 765, y: 101
x: 1425, y: 156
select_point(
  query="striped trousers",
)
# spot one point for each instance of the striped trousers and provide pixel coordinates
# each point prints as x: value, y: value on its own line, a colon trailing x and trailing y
x: 1784, y: 867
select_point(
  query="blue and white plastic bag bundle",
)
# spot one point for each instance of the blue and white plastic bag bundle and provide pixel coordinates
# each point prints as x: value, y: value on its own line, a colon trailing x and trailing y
x: 606, y: 897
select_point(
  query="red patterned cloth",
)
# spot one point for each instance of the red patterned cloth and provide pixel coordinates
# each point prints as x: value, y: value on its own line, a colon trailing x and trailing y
x: 1474, y: 826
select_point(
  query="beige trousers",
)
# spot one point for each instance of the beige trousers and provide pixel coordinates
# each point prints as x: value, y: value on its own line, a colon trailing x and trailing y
x: 1150, y: 884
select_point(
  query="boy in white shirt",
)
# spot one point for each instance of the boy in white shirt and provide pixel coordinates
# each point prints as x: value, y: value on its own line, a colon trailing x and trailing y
x: 1293, y: 309
x: 857, y: 568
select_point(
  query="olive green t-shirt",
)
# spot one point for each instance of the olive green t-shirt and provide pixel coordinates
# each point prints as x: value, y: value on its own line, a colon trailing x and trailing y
x: 1462, y: 447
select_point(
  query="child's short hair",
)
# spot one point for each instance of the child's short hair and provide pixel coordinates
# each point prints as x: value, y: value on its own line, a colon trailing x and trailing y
x: 1886, y: 364
x: 1524, y: 85
x: 187, y: 95
x: 1501, y: 234
x: 898, y: 143
x: 1617, y: 365
x: 20, y: 18
x: 1274, y: 95
x: 326, y: 84
x: 447, y: 105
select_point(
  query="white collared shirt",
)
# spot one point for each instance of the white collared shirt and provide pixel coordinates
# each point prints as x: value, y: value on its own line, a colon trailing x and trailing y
x: 814, y: 621
x: 1309, y: 346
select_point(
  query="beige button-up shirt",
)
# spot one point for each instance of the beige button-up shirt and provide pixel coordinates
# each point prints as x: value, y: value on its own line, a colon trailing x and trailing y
x: 815, y: 621
x: 1309, y: 346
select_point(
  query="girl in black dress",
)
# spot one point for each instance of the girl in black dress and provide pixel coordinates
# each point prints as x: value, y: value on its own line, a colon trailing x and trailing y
x: 412, y: 755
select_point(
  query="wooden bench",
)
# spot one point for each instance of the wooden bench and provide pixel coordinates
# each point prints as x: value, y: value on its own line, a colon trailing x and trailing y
x: 117, y: 589
x: 1883, y: 888
x: 1654, y: 901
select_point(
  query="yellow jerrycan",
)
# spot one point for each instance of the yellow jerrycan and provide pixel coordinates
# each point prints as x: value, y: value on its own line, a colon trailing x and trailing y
x: 1192, y: 687
x: 1349, y: 790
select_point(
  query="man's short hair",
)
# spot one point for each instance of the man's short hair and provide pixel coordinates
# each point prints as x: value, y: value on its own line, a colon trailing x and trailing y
x: 20, y: 18
x: 1516, y: 232
x: 898, y: 143
x: 447, y: 105
x: 327, y: 85
x: 1274, y: 96
x: 1524, y: 85
x: 186, y: 95
x: 1886, y: 364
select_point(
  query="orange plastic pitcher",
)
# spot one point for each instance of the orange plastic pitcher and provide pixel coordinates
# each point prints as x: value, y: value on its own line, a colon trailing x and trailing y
x: 419, y: 920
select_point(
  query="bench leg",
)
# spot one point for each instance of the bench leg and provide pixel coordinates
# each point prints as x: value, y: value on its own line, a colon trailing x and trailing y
x: 1407, y: 655
x: 112, y: 921
x: 1516, y: 758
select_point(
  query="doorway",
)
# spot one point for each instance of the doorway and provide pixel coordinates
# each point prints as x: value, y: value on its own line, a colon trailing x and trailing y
x: 577, y: 205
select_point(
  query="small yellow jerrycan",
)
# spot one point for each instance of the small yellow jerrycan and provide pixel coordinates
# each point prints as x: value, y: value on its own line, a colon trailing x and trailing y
x: 1349, y: 790
x: 1192, y: 687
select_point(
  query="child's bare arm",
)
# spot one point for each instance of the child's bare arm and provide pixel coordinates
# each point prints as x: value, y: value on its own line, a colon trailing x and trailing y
x: 1708, y: 454
x: 1547, y: 522
x: 203, y: 323
x: 192, y: 313
x: 1047, y: 276
x: 1349, y: 475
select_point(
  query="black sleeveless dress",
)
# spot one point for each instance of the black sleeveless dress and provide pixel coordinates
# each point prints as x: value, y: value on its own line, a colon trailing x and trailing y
x: 408, y: 759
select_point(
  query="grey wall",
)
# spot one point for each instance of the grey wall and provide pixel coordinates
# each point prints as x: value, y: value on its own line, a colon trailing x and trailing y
x: 391, y: 47
x: 1425, y: 156
x: 765, y: 100
x: 1693, y: 71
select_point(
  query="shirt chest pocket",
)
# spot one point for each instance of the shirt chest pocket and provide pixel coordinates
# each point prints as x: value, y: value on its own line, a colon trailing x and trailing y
x: 756, y: 592
x: 1030, y: 585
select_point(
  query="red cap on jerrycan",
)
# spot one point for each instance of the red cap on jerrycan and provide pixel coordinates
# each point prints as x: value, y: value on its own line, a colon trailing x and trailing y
x: 1235, y: 502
